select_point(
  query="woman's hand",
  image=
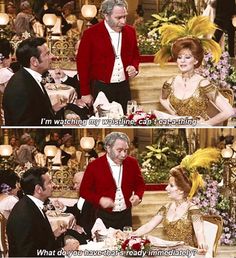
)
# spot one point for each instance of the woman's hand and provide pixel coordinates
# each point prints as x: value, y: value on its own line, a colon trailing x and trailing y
x: 202, y: 249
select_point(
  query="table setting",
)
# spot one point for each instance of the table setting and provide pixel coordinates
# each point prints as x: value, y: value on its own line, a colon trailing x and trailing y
x: 109, y: 242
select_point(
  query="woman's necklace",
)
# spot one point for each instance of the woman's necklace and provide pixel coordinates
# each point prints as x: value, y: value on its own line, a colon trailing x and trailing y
x: 186, y: 78
x: 178, y: 203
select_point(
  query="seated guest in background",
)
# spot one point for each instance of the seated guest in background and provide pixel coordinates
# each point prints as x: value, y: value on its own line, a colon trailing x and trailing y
x: 114, y: 183
x: 25, y: 100
x: 6, y: 52
x: 26, y: 151
x: 62, y: 156
x: 83, y: 211
x: 181, y: 218
x: 189, y: 93
x: 28, y: 229
x: 59, y: 76
x: 8, y: 191
x: 24, y: 19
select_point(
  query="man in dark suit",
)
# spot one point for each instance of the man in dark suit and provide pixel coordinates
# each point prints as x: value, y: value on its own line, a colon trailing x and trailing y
x: 225, y: 10
x: 25, y: 100
x: 114, y: 183
x: 108, y: 56
x: 28, y: 230
x: 83, y: 210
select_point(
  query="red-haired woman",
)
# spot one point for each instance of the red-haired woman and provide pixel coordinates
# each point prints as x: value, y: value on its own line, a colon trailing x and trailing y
x: 190, y: 94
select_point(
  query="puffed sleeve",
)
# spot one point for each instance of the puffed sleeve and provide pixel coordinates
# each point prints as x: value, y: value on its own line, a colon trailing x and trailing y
x: 162, y: 211
x: 195, y: 215
x: 211, y: 91
x: 166, y: 90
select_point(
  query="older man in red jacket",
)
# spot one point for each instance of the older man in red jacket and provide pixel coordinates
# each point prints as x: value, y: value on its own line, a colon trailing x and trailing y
x: 114, y: 183
x: 108, y: 56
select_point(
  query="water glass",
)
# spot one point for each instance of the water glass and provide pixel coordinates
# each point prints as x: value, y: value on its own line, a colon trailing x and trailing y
x: 131, y: 107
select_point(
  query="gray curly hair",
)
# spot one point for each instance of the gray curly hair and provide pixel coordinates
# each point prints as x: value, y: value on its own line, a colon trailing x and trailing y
x: 108, y: 5
x: 112, y: 137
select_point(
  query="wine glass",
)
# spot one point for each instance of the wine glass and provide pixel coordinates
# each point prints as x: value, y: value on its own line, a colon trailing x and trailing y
x: 131, y: 107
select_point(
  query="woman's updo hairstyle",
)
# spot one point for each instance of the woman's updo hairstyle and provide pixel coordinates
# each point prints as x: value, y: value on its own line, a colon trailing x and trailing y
x: 193, y: 44
x: 181, y: 180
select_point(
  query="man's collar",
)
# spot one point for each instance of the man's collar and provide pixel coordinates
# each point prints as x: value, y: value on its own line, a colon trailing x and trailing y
x: 111, y: 162
x: 37, y: 202
x: 109, y: 29
x: 35, y: 74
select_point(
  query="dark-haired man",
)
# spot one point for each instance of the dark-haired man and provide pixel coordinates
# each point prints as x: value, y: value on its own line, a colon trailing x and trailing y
x: 28, y: 230
x: 25, y: 100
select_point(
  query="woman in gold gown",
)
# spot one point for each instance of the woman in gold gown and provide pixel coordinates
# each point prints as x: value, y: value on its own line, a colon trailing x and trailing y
x: 190, y: 94
x: 181, y: 218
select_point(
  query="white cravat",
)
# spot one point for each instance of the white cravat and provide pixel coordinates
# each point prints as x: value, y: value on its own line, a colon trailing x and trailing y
x: 118, y: 74
x: 117, y: 173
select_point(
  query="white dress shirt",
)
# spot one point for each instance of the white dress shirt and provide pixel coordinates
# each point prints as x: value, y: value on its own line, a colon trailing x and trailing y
x: 37, y: 202
x: 118, y: 74
x: 117, y: 173
x: 37, y: 76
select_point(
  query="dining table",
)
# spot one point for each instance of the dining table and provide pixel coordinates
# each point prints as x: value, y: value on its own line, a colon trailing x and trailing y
x: 65, y: 220
x: 102, y: 250
x: 61, y: 93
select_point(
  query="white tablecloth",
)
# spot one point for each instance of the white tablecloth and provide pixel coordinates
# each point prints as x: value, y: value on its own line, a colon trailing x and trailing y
x: 96, y: 250
x: 65, y: 94
x: 65, y: 219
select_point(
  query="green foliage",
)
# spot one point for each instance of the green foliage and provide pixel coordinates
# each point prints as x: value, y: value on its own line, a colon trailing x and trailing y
x: 160, y: 157
x: 148, y: 32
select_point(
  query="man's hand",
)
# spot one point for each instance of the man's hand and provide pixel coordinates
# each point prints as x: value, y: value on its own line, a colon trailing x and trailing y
x: 79, y: 229
x: 80, y: 103
x: 106, y: 202
x: 88, y: 99
x: 131, y: 71
x: 134, y: 199
x: 58, y: 106
x: 58, y: 75
x: 71, y: 245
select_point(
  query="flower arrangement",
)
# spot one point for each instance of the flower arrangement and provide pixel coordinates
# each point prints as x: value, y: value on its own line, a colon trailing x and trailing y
x: 141, y: 118
x: 216, y: 73
x: 211, y: 201
x: 134, y: 246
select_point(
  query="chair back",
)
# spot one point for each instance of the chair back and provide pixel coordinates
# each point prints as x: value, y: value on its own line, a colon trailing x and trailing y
x: 3, y: 237
x: 213, y: 110
x: 213, y: 226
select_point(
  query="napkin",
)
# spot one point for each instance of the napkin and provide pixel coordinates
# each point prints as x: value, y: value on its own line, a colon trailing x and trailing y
x: 99, y: 227
x: 102, y: 105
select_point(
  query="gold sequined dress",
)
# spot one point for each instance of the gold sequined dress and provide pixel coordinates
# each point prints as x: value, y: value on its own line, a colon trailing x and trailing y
x: 196, y: 105
x: 181, y: 229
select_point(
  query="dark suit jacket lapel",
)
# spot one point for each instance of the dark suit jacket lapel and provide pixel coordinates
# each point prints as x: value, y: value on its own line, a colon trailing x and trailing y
x: 37, y: 90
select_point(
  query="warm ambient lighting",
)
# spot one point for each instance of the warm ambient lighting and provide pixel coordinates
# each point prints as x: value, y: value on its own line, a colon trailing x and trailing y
x: 234, y: 21
x: 5, y: 150
x: 50, y: 151
x: 4, y: 19
x: 87, y: 144
x: 89, y: 11
x: 49, y: 19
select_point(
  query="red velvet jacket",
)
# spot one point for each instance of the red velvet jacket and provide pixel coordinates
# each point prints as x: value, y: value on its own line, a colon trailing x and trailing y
x: 98, y: 181
x: 95, y: 59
